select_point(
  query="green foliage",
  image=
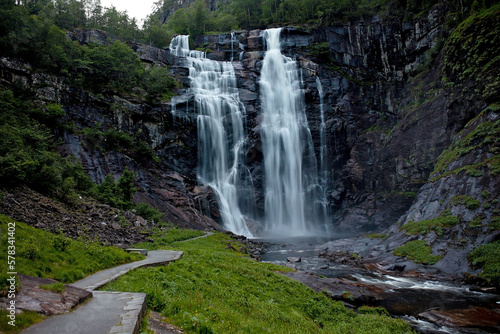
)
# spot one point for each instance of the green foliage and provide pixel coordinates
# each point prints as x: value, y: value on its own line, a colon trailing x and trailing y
x: 468, y: 201
x: 418, y: 251
x: 118, y: 193
x: 495, y: 223
x: 373, y: 310
x: 24, y: 319
x: 347, y: 296
x: 38, y: 256
x: 485, y: 194
x: 465, y: 144
x: 193, y: 20
x: 167, y: 237
x: 160, y: 84
x: 438, y: 224
x: 377, y: 236
x: 111, y: 66
x: 149, y: 213
x: 472, y: 55
x: 487, y: 257
x: 213, y: 289
x: 477, y: 222
x: 57, y: 287
x: 28, y: 152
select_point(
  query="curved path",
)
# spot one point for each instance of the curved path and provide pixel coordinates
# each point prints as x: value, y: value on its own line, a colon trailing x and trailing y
x: 106, y: 312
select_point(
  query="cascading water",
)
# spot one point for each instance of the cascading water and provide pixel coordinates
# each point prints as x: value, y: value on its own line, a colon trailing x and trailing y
x: 323, y: 168
x: 292, y: 191
x: 221, y: 135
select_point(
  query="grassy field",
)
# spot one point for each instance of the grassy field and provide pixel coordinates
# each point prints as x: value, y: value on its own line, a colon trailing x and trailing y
x: 214, y: 289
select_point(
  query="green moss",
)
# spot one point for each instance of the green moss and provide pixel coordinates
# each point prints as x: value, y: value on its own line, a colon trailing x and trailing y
x: 38, y: 254
x: 487, y: 257
x: 214, y: 289
x: 438, y: 224
x: 474, y: 140
x: 477, y: 222
x: 495, y: 223
x: 472, y: 54
x: 347, y: 296
x: 377, y: 236
x: 468, y: 201
x: 485, y: 194
x: 418, y: 251
x: 54, y: 287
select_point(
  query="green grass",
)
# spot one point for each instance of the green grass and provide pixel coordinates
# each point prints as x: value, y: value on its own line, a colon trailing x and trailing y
x: 23, y: 320
x: 418, y: 251
x: 438, y: 224
x: 167, y: 237
x: 54, y: 287
x: 214, y: 289
x: 487, y: 257
x: 381, y: 236
x: 42, y: 254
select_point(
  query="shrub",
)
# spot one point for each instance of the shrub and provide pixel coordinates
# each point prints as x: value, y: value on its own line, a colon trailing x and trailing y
x: 148, y: 212
x: 487, y: 257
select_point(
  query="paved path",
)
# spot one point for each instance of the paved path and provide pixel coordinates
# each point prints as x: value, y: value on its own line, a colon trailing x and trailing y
x: 106, y: 312
x: 154, y: 258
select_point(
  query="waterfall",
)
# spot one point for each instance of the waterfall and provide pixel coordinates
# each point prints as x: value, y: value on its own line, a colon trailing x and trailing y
x: 221, y: 135
x: 179, y: 46
x: 323, y: 168
x: 292, y: 191
x: 232, y: 46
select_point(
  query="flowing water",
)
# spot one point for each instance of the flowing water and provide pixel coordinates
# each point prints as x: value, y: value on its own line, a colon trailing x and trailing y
x: 293, y: 205
x: 403, y: 297
x: 221, y: 135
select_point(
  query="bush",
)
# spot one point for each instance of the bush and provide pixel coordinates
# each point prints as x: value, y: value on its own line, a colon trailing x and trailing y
x: 487, y: 257
x: 149, y: 213
x: 117, y: 194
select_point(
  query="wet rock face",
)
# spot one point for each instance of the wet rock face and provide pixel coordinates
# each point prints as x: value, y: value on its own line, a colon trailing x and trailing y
x: 377, y: 159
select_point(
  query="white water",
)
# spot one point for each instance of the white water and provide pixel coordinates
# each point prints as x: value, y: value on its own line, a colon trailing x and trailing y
x: 221, y: 133
x: 291, y: 185
x: 179, y: 46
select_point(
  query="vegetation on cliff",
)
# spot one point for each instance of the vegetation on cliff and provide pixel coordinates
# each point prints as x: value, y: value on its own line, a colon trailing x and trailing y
x: 213, y: 288
x: 487, y: 257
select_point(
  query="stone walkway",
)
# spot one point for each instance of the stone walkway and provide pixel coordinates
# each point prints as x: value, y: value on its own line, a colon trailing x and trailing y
x: 106, y: 312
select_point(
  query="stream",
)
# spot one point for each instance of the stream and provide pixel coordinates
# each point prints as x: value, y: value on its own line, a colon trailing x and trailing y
x: 408, y: 298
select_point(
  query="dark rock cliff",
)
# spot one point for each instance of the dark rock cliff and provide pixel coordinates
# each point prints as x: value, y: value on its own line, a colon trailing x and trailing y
x: 377, y: 158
